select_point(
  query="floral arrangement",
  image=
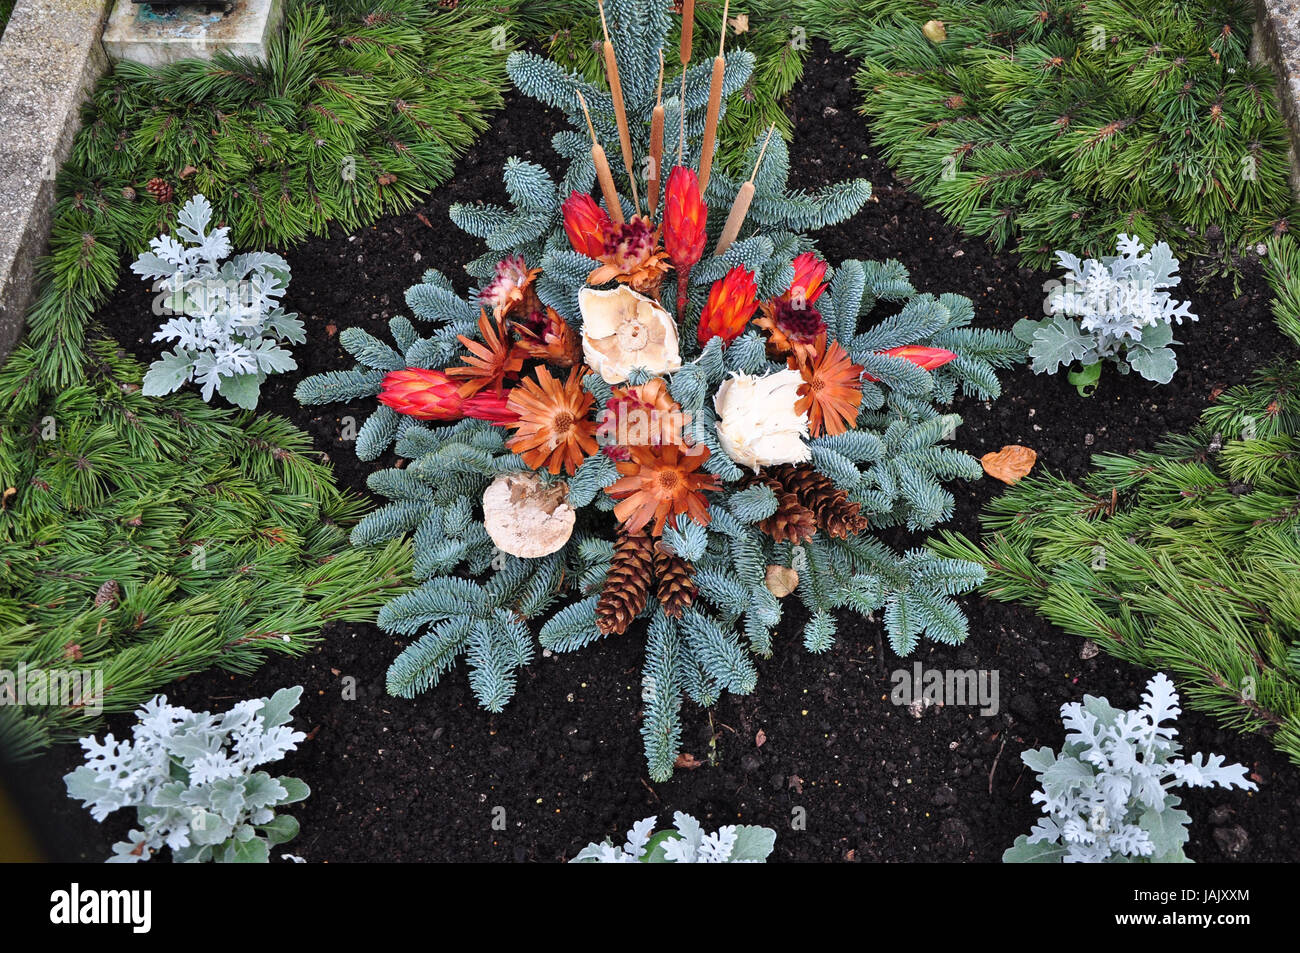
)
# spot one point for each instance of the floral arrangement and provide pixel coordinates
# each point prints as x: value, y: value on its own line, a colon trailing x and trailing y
x: 1113, y: 309
x: 660, y: 413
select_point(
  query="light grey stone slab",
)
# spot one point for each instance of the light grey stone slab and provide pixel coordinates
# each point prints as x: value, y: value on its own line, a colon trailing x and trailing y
x: 1277, y: 42
x: 50, y: 58
x: 158, y: 36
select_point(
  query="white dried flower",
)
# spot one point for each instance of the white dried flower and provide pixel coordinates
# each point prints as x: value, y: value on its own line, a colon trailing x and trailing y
x: 757, y: 422
x: 622, y: 329
x: 525, y: 517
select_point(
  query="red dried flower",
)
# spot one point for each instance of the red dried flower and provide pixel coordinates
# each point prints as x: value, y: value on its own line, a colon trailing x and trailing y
x: 809, y: 272
x: 586, y: 224
x: 926, y: 358
x: 422, y: 394
x: 685, y: 216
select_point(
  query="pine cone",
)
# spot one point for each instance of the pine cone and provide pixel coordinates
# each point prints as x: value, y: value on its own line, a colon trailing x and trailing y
x: 627, y: 587
x: 109, y: 594
x: 676, y: 586
x: 792, y: 522
x: 161, y: 190
x: 831, y: 507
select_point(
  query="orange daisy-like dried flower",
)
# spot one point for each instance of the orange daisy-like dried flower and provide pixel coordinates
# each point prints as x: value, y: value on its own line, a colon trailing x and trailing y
x: 490, y: 361
x: 553, y: 431
x: 632, y: 257
x: 832, y: 389
x: 547, y: 337
x: 659, y: 482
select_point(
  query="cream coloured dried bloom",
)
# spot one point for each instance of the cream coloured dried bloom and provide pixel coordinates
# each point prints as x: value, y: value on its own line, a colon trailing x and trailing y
x: 622, y: 330
x: 525, y: 517
x: 757, y: 422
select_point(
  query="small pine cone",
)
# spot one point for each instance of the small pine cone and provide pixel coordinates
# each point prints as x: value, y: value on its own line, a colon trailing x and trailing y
x: 834, y: 511
x: 627, y: 587
x: 128, y: 193
x: 792, y: 522
x: 161, y: 190
x: 676, y: 586
x: 109, y: 594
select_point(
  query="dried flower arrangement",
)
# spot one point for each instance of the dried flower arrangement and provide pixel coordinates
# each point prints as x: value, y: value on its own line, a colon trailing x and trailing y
x: 690, y: 457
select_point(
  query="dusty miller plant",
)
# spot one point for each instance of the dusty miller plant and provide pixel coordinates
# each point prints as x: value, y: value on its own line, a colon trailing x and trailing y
x: 192, y: 778
x: 686, y: 844
x: 1112, y: 309
x: 225, y: 312
x: 1106, y: 795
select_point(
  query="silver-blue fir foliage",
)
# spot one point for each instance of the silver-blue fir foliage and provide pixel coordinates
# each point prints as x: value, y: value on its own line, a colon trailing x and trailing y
x: 685, y: 844
x: 893, y: 465
x: 192, y: 778
x: 1106, y: 797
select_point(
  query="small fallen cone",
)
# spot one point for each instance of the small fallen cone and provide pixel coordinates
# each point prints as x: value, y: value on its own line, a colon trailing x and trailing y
x: 1010, y: 464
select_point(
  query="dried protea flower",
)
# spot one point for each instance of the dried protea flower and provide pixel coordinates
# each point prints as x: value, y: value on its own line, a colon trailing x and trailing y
x: 545, y: 336
x: 758, y: 425
x: 729, y: 308
x: 586, y: 224
x: 926, y: 358
x: 511, y: 291
x: 622, y: 330
x: 641, y: 416
x: 791, y: 322
x: 809, y: 275
x: 432, y: 395
x: 685, y: 215
x: 422, y: 394
x: 630, y: 256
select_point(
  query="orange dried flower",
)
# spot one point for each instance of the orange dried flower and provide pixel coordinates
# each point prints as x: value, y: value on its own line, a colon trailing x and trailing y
x: 640, y: 416
x: 659, y: 482
x: 553, y: 431
x: 730, y: 305
x: 832, y: 388
x: 489, y: 362
x: 547, y: 337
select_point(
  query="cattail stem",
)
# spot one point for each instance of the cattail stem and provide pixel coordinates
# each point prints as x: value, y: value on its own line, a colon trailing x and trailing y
x: 688, y: 29
x: 620, y: 113
x: 656, y: 143
x: 740, y: 207
x: 715, y: 107
x: 603, y: 175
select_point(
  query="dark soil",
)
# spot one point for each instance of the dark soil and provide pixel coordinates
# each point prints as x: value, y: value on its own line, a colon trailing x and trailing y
x: 818, y: 752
